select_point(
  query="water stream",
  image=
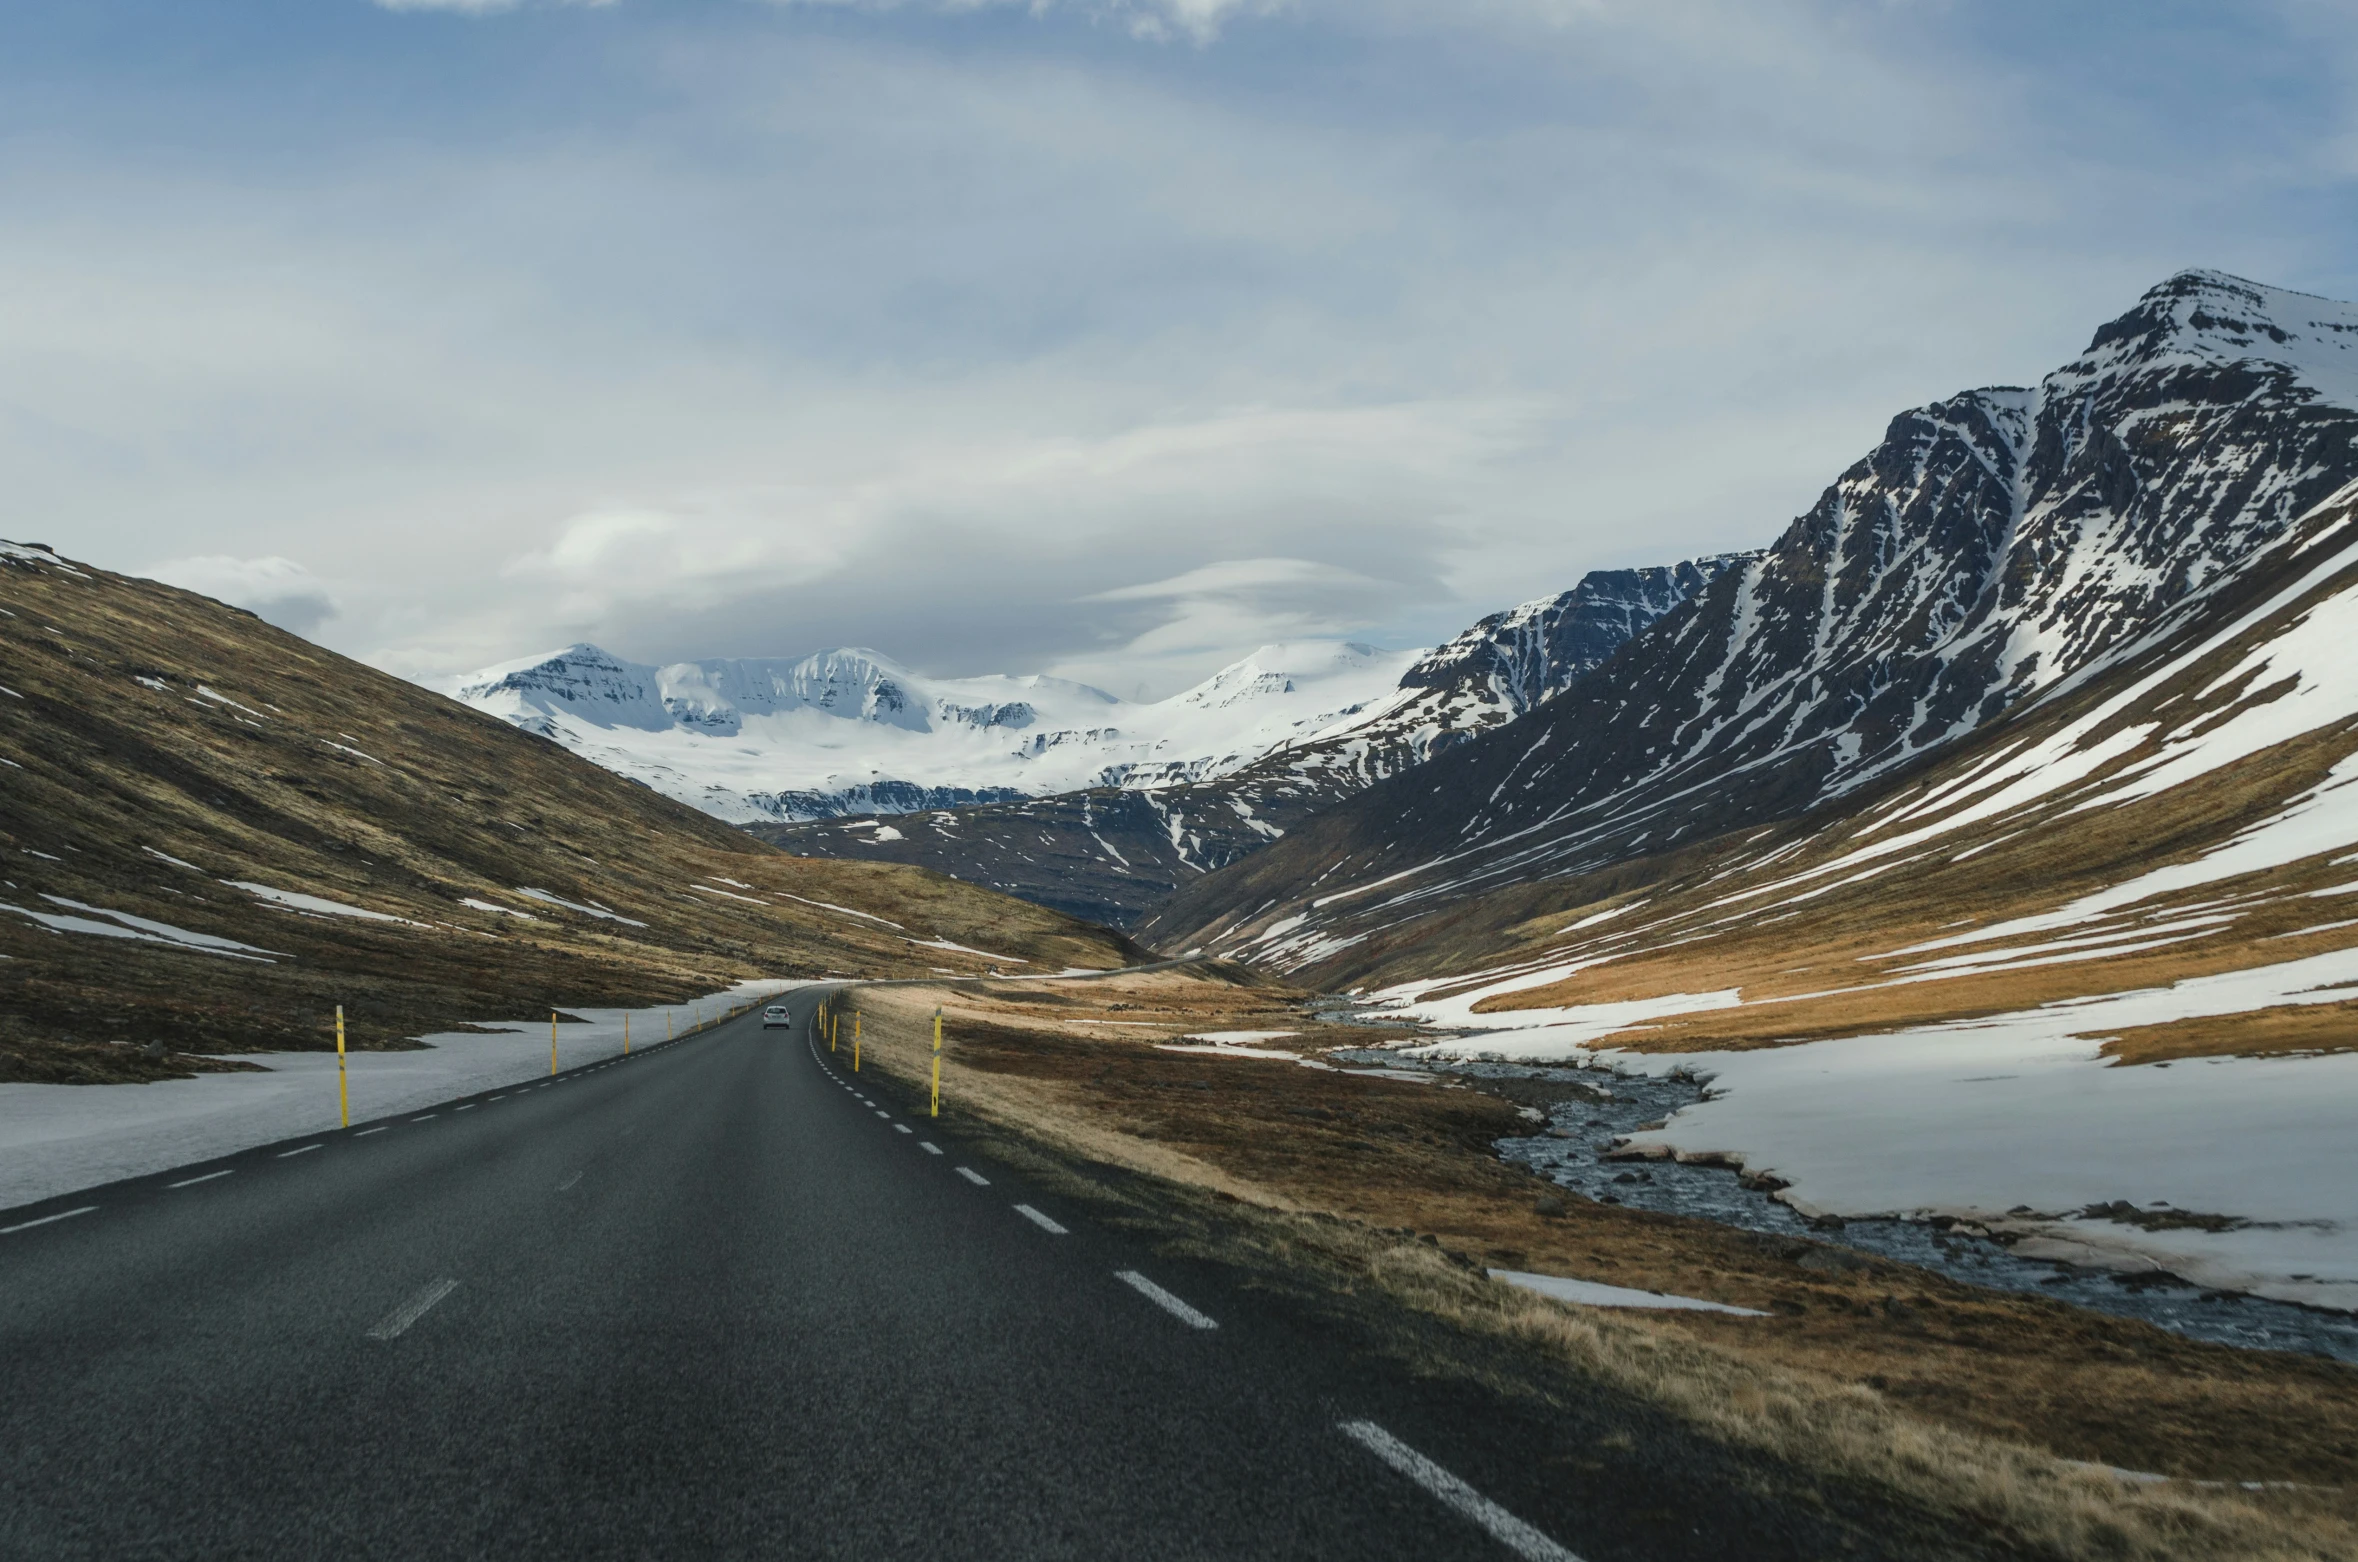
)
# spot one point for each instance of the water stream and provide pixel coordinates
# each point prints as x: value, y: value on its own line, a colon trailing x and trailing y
x: 1604, y: 1106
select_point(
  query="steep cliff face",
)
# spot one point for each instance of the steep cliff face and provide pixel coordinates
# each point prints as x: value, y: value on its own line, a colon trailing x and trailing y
x: 1990, y: 547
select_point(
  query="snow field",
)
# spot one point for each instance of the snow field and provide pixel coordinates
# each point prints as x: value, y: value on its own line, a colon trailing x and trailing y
x: 57, y: 1138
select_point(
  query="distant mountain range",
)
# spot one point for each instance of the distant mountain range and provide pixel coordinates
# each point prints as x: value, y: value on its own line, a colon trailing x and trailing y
x: 1112, y: 852
x: 850, y: 731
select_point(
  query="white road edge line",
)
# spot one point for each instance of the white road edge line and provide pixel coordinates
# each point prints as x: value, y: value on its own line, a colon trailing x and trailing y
x: 27, y: 1225
x: 1165, y: 1300
x: 190, y: 1182
x: 973, y: 1176
x: 568, y: 1182
x: 1040, y: 1220
x: 929, y: 1147
x: 1503, y: 1526
x: 305, y: 1150
x: 409, y: 1312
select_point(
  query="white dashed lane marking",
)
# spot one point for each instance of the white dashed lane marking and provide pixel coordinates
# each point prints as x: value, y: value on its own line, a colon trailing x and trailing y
x: 903, y: 1128
x: 1165, y: 1300
x: 1503, y: 1526
x: 929, y: 1147
x: 27, y: 1225
x: 568, y: 1182
x: 1040, y: 1220
x: 190, y: 1182
x: 365, y: 1132
x: 400, y: 1318
x: 304, y: 1150
x: 973, y: 1176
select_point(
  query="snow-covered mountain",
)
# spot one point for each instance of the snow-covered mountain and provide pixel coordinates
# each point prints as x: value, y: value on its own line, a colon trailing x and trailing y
x: 1992, y: 547
x: 1111, y: 853
x: 849, y: 731
x: 1989, y: 845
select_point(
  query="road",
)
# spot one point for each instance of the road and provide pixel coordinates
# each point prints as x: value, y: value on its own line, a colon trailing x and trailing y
x: 723, y: 1298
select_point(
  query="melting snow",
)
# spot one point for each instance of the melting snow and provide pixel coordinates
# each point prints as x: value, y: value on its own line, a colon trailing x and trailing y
x: 1588, y: 1293
x: 546, y: 898
x: 315, y: 905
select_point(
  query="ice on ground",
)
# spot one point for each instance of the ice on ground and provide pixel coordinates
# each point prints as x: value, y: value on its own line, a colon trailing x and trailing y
x: 59, y: 1138
x: 139, y: 929
x: 2018, y: 1122
x: 943, y: 943
x: 1588, y: 1293
x: 1239, y: 1037
x: 505, y: 911
x: 316, y: 905
x: 728, y: 895
x: 591, y: 910
x: 168, y: 857
x: 826, y: 905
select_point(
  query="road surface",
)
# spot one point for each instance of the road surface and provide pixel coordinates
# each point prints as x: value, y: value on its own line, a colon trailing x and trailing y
x: 724, y: 1298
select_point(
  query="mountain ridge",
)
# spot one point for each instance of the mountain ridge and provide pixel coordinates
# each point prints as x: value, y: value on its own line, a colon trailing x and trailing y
x: 1989, y: 545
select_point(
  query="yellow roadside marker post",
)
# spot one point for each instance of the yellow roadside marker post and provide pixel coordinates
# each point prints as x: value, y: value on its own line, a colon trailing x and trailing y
x: 667, y: 1025
x: 343, y: 1093
x: 626, y: 1035
x: 552, y: 1043
x: 937, y: 1061
x: 855, y: 1041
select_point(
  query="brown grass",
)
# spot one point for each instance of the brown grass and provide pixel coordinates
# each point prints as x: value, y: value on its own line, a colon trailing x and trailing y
x: 1969, y: 1401
x: 2293, y: 1031
x: 150, y: 720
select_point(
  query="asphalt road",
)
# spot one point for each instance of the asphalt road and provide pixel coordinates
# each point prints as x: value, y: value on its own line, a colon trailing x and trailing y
x: 707, y: 1301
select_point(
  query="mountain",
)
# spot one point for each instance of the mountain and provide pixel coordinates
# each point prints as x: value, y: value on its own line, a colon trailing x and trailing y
x: 1989, y: 552
x: 848, y: 731
x: 1984, y: 854
x: 1112, y: 853
x: 213, y: 832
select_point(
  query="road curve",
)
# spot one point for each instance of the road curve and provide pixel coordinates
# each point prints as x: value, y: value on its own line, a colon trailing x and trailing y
x: 709, y: 1301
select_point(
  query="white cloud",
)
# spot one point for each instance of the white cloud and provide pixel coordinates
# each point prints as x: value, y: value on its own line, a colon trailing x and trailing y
x: 1199, y: 21
x: 480, y: 7
x: 276, y: 590
x: 976, y: 338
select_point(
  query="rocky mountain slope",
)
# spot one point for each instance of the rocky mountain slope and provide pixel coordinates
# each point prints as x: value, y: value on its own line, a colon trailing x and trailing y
x: 1112, y: 853
x: 850, y: 732
x: 1989, y: 552
x: 212, y: 832
x: 2018, y: 899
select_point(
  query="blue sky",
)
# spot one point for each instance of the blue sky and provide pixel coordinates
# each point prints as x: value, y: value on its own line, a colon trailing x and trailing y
x: 1105, y: 338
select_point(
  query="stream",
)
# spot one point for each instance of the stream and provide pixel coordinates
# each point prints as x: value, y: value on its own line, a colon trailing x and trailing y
x: 1570, y: 1152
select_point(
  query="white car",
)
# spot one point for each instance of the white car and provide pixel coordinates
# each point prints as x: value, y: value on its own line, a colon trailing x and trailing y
x: 776, y: 1014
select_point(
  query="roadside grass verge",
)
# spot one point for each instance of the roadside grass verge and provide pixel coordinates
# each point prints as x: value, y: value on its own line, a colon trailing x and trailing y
x: 2003, y: 1415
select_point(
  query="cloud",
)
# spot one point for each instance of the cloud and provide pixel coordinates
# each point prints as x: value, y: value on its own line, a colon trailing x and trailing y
x: 1199, y: 21
x: 480, y: 7
x: 990, y: 340
x: 277, y: 590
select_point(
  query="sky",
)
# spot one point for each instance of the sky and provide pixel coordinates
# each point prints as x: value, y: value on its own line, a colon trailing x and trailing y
x: 1108, y: 338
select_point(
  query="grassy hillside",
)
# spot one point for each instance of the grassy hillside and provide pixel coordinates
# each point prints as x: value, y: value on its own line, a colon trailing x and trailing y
x: 213, y: 832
